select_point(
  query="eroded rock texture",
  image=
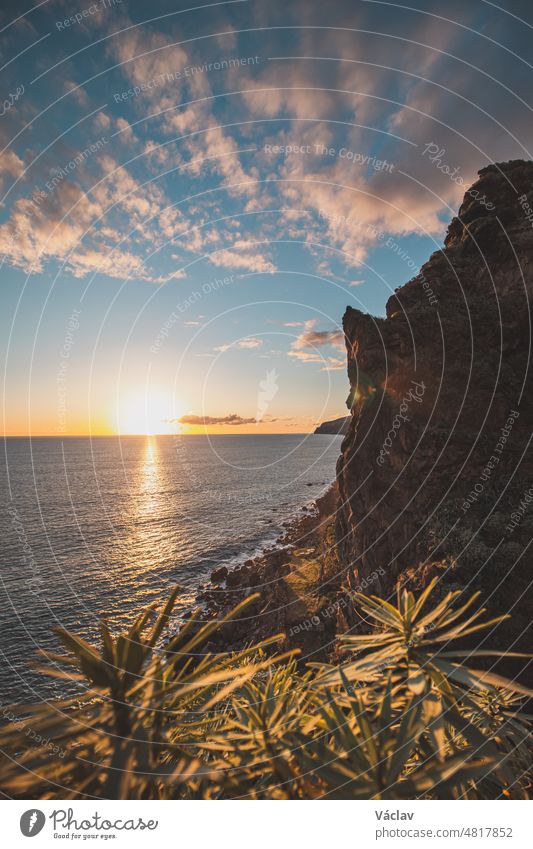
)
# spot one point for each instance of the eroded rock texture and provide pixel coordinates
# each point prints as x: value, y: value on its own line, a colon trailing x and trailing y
x: 438, y: 454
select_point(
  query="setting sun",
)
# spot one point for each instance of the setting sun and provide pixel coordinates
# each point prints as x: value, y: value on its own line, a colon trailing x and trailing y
x: 146, y: 413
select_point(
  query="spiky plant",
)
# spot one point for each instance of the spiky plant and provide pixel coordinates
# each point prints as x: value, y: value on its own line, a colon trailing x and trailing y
x: 401, y: 717
x: 146, y: 710
x: 413, y: 651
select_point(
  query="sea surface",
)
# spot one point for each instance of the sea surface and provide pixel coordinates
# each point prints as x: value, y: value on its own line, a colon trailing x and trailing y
x: 105, y: 526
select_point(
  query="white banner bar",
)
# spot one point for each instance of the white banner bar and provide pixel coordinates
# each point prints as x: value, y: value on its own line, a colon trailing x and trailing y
x: 246, y: 824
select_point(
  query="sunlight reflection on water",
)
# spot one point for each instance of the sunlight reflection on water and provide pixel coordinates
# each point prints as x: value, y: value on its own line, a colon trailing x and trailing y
x: 105, y: 527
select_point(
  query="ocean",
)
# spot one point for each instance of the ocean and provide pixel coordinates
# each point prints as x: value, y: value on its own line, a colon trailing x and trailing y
x: 104, y: 526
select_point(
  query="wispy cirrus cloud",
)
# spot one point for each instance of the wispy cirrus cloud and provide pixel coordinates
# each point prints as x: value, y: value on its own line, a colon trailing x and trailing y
x: 248, y: 344
x: 327, y: 363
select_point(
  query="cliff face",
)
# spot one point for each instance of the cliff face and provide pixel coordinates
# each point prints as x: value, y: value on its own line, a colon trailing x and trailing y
x: 336, y: 427
x: 437, y: 458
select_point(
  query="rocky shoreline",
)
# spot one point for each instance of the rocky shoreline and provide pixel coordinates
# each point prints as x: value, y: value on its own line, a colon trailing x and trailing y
x: 298, y: 582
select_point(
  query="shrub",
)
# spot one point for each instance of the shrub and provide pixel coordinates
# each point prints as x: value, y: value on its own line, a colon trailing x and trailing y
x: 402, y: 717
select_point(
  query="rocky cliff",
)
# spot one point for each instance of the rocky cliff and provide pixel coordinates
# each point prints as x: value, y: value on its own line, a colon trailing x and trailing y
x: 435, y: 475
x: 436, y: 468
x: 335, y: 427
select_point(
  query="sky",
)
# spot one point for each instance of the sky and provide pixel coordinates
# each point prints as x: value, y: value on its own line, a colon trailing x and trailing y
x: 191, y: 195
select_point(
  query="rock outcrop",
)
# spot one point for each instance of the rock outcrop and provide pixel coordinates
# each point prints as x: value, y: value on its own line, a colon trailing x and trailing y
x: 298, y: 584
x: 437, y: 462
x: 335, y: 427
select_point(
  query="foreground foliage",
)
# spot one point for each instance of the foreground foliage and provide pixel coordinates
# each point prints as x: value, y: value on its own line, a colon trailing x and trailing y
x: 402, y: 717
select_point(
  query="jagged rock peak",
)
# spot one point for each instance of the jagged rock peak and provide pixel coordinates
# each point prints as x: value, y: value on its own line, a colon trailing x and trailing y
x: 499, y: 191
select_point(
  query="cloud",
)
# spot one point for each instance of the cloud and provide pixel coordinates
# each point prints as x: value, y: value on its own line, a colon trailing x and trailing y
x: 308, y: 356
x: 217, y: 151
x: 385, y: 89
x: 154, y: 62
x: 250, y: 342
x: 84, y: 229
x: 11, y: 167
x: 39, y: 227
x: 334, y: 364
x: 146, y: 57
x: 125, y: 133
x: 305, y: 347
x: 102, y: 121
x: 327, y: 363
x: 311, y: 338
x: 246, y: 260
x: 231, y: 419
x: 372, y: 86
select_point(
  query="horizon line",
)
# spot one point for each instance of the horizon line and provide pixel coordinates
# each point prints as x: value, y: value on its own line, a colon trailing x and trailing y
x: 148, y: 435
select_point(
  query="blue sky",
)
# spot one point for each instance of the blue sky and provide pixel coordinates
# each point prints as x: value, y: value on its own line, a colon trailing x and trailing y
x: 192, y: 196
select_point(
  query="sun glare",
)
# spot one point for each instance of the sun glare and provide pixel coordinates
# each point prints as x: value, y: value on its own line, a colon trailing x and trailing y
x: 149, y: 413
